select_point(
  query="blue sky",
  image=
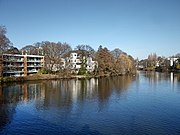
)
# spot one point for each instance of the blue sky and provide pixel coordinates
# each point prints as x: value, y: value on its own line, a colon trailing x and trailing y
x: 138, y: 27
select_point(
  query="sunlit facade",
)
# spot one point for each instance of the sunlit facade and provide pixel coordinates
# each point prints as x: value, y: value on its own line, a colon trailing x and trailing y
x: 75, y: 62
x: 20, y: 65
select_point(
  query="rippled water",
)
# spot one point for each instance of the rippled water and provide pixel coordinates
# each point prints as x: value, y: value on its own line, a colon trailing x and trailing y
x: 148, y: 103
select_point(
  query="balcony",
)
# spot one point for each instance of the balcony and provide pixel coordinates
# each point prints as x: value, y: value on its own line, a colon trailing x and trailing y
x: 13, y: 60
x: 32, y: 71
x: 35, y: 65
x: 10, y: 65
x: 13, y: 72
x: 34, y: 60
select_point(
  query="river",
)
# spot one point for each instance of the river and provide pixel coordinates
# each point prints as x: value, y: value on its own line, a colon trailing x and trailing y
x: 148, y: 103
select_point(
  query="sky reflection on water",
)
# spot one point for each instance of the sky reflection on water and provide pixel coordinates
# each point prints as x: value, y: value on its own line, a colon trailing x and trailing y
x: 144, y: 104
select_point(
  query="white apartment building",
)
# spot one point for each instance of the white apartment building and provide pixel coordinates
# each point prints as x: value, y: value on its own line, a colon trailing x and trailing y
x: 172, y: 61
x: 75, y: 62
x: 91, y: 65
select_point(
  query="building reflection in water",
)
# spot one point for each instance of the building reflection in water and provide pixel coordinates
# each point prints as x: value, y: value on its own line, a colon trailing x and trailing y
x: 156, y: 77
x: 7, y: 107
x: 55, y: 91
x: 11, y: 95
x: 64, y: 94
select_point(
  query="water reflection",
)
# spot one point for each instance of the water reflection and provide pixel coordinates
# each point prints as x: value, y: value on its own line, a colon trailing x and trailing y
x: 59, y: 93
x: 6, y: 110
x: 155, y: 77
x: 142, y: 104
x: 178, y: 77
x: 113, y: 84
x: 56, y: 91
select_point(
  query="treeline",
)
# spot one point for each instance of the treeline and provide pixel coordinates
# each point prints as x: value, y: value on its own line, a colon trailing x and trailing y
x: 160, y: 63
x: 110, y: 62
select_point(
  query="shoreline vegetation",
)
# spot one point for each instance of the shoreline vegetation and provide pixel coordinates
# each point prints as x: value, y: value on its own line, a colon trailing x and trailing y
x: 37, y: 77
x: 159, y: 69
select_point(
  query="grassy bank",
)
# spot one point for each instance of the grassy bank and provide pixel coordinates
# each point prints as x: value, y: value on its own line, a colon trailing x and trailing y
x: 36, y: 77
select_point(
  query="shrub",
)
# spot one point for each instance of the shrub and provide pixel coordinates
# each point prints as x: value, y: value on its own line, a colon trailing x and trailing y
x: 42, y: 71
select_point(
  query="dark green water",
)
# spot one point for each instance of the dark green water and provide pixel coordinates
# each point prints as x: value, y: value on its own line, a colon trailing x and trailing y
x: 148, y: 103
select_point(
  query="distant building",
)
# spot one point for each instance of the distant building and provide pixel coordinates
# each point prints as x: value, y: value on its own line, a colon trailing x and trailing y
x: 172, y: 61
x: 23, y: 65
x: 90, y: 64
x: 140, y: 67
x: 57, y: 66
x: 20, y: 65
x: 74, y: 62
x: 76, y: 59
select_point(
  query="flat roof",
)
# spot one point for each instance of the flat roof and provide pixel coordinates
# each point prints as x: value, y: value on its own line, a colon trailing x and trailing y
x: 19, y: 55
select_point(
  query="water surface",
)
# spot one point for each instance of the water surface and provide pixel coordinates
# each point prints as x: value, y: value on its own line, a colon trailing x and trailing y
x: 148, y: 103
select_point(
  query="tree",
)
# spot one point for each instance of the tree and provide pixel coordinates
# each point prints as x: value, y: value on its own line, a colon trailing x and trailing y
x: 126, y: 64
x: 54, y: 52
x: 13, y: 50
x: 152, y: 58
x: 177, y: 55
x: 116, y: 53
x: 5, y: 43
x: 86, y: 50
x: 105, y: 60
x: 31, y: 50
x: 178, y: 63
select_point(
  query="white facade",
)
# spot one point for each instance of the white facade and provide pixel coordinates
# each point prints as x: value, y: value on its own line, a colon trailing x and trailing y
x: 172, y: 61
x: 90, y: 64
x: 76, y: 62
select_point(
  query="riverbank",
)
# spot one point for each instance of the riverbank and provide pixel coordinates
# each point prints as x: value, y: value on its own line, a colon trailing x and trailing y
x: 161, y: 70
x: 36, y: 77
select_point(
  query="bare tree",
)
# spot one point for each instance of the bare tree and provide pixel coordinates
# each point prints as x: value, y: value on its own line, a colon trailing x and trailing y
x: 152, y: 58
x: 177, y: 55
x: 5, y: 43
x: 54, y: 52
x: 86, y: 50
x: 30, y: 50
x: 13, y: 50
x: 116, y: 53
